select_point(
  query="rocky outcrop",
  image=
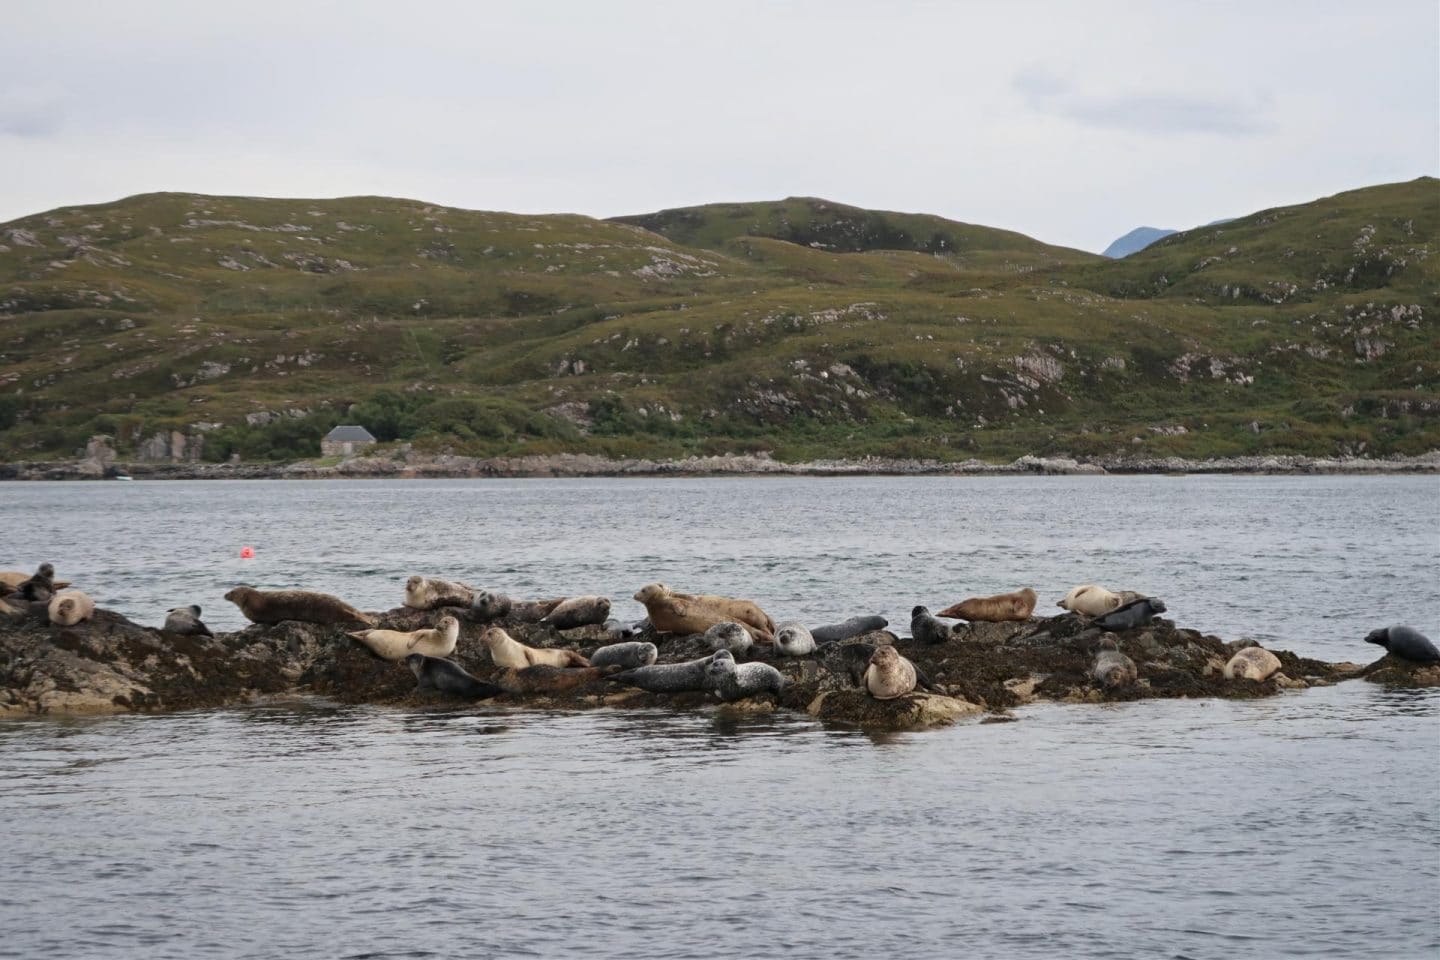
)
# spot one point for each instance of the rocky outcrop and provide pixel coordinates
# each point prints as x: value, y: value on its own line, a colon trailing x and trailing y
x: 110, y: 665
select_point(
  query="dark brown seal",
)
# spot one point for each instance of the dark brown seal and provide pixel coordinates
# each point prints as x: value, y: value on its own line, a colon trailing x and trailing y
x: 546, y: 679
x: 273, y: 606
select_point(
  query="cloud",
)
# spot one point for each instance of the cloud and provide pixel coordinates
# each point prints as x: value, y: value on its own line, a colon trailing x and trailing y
x: 1147, y: 112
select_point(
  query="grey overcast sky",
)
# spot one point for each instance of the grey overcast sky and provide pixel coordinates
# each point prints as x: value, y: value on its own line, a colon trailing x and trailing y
x: 1072, y: 122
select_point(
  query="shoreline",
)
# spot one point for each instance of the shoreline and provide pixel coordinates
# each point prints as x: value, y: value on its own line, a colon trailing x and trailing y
x: 413, y: 466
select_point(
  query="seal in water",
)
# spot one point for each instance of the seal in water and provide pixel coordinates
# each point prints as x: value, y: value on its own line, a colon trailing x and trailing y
x: 1112, y: 669
x: 433, y: 673
x: 732, y: 681
x: 578, y: 612
x: 627, y: 656
x: 728, y: 636
x: 854, y: 627
x: 686, y: 613
x: 669, y: 677
x: 425, y: 593
x: 396, y: 644
x: 69, y: 607
x: 1089, y: 600
x: 186, y: 621
x: 40, y: 586
x: 889, y: 675
x: 925, y: 628
x: 793, y: 640
x: 275, y: 606
x: 1407, y: 643
x: 1252, y: 663
x: 506, y: 651
x: 546, y: 679
x: 1136, y: 613
x: 997, y: 609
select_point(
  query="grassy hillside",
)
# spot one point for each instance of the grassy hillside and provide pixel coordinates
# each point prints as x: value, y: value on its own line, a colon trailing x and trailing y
x: 801, y: 327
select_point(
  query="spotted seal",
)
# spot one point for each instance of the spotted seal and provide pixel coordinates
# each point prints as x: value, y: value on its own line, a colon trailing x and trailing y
x: 925, y: 627
x: 729, y: 636
x: 1252, y: 663
x: 433, y: 673
x: 997, y: 609
x: 578, y: 612
x: 186, y: 621
x: 489, y: 605
x: 427, y: 593
x: 732, y: 681
x: 686, y: 613
x: 669, y: 677
x: 888, y: 675
x: 438, y: 641
x: 1112, y: 669
x: 1407, y: 643
x: 276, y: 606
x: 1136, y: 613
x: 506, y: 651
x: 854, y: 627
x: 69, y: 607
x: 627, y: 656
x: 793, y: 640
x: 853, y: 659
x: 1089, y: 600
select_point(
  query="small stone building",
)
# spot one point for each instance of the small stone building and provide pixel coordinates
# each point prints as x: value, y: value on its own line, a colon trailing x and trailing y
x: 346, y: 441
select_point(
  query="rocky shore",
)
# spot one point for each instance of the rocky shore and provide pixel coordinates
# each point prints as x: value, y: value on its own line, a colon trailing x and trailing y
x: 408, y: 464
x: 111, y: 665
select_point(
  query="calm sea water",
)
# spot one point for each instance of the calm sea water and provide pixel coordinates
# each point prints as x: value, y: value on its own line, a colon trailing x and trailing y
x: 1303, y: 825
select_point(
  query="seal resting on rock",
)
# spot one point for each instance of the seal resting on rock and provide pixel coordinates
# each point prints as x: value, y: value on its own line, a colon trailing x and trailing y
x: 925, y: 628
x: 1112, y: 668
x: 627, y: 656
x: 275, y: 606
x: 578, y: 612
x: 729, y: 636
x: 69, y: 607
x: 546, y: 679
x: 40, y: 585
x: 997, y: 609
x: 433, y: 673
x: 489, y: 605
x: 186, y: 621
x: 732, y: 681
x: 854, y: 627
x: 669, y: 677
x: 1252, y: 663
x: 793, y: 640
x: 506, y: 651
x: 1407, y: 643
x: 1136, y: 613
x: 425, y: 593
x: 853, y: 659
x: 685, y: 613
x: 889, y: 675
x: 396, y: 644
x: 1090, y: 600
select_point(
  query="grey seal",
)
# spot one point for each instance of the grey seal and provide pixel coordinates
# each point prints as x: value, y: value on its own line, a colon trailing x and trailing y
x: 433, y: 673
x: 732, y: 681
x: 186, y: 621
x: 625, y: 631
x: 793, y: 640
x: 1407, y: 643
x: 729, y: 636
x: 489, y: 605
x: 854, y: 627
x: 578, y: 612
x: 1136, y: 613
x: 625, y: 655
x: 668, y: 677
x: 40, y: 586
x: 1112, y: 669
x: 925, y: 627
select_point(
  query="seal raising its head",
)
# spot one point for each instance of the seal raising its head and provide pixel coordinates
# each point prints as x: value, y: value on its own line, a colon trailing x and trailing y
x: 1112, y: 669
x: 186, y: 621
x: 926, y: 628
x: 506, y: 651
x: 489, y: 605
x: 889, y: 675
x: 1407, y: 643
x: 793, y: 640
x: 41, y: 585
x: 732, y: 681
x: 396, y: 645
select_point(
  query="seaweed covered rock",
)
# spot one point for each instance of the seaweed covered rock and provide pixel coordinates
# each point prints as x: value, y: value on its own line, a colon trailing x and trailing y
x: 1394, y: 671
x: 914, y: 711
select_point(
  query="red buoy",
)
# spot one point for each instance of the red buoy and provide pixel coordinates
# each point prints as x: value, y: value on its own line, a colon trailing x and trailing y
x: 247, y: 553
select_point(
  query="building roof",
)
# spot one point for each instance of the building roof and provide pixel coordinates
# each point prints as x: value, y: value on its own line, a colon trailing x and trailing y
x: 344, y: 433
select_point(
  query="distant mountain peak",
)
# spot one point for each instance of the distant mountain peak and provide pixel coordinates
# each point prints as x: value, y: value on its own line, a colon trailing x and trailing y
x: 1135, y: 241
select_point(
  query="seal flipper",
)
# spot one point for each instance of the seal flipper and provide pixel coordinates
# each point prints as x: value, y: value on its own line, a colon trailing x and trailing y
x: 923, y: 681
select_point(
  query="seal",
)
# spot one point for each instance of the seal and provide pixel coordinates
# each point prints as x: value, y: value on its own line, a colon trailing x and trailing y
x: 489, y: 605
x: 1089, y: 600
x: 578, y: 612
x: 69, y: 607
x: 627, y: 656
x: 669, y: 677
x: 729, y: 636
x: 275, y: 606
x: 624, y: 631
x: 397, y: 645
x: 793, y: 640
x: 853, y: 659
x: 1136, y: 613
x: 506, y: 651
x: 186, y: 621
x: 854, y: 627
x: 685, y: 613
x: 424, y: 593
x: 925, y: 628
x: 433, y: 673
x: 546, y: 679
x: 1252, y: 663
x: 999, y: 608
x: 1112, y: 669
x: 732, y: 681
x: 1407, y: 643
x: 40, y: 585
x: 889, y: 675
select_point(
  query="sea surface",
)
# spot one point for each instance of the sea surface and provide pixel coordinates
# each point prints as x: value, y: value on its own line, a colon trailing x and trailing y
x: 1306, y: 824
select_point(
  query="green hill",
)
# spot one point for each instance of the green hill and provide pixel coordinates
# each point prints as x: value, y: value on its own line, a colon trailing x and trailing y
x: 802, y: 327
